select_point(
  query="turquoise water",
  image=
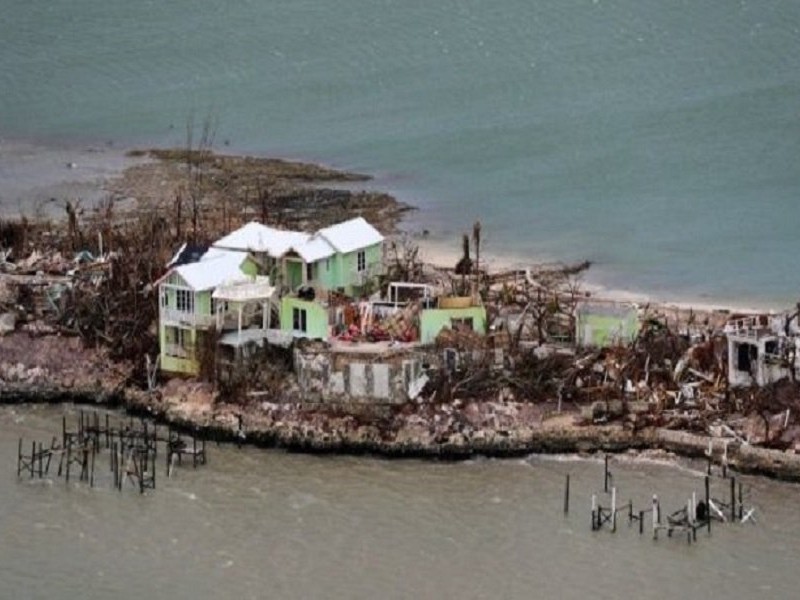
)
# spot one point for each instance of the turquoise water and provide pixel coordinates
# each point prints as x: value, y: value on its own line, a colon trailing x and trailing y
x: 660, y: 139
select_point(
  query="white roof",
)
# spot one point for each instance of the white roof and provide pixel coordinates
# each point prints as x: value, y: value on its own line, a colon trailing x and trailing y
x: 314, y: 249
x: 213, y: 269
x: 351, y: 235
x: 255, y: 237
x: 342, y: 237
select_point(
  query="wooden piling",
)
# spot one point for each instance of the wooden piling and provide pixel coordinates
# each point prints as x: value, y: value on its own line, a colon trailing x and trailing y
x: 91, y: 475
x: 605, y: 475
x: 614, y: 509
x: 69, y: 458
x: 566, y: 495
x: 656, y: 517
x: 708, y: 504
x: 641, y: 522
x: 19, y: 457
x: 594, y: 512
x: 741, y: 502
x: 733, y: 499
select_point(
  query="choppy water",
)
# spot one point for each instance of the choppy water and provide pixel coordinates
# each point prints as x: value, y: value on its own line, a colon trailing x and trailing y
x: 266, y: 524
x: 659, y: 139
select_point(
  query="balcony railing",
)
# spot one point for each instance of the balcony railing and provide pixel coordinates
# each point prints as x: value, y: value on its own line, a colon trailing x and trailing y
x: 179, y: 317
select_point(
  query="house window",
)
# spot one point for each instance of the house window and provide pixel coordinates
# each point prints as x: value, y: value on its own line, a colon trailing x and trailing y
x: 217, y: 305
x: 299, y: 320
x: 164, y: 297
x: 462, y: 324
x: 184, y: 300
x: 309, y: 271
x: 361, y: 258
x: 327, y: 264
x: 179, y: 342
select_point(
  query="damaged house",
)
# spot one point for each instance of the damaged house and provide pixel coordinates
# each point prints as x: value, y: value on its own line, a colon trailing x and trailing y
x: 762, y: 349
x: 257, y: 278
x: 191, y: 310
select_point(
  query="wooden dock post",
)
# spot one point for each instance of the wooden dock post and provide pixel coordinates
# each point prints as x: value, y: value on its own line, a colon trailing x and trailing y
x: 19, y: 457
x: 733, y: 499
x: 656, y: 517
x: 741, y: 503
x: 40, y: 458
x: 91, y: 475
x: 605, y: 475
x: 594, y: 512
x: 708, y: 504
x: 614, y: 509
x: 641, y: 522
x: 566, y: 494
x: 69, y: 458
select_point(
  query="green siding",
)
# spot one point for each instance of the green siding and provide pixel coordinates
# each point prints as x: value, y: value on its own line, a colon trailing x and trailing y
x: 433, y: 320
x: 326, y: 272
x: 174, y: 364
x: 605, y: 330
x: 202, y: 303
x: 294, y: 274
x: 316, y: 317
x: 348, y: 273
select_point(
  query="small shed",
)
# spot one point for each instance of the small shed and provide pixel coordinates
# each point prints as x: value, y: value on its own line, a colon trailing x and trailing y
x: 601, y: 325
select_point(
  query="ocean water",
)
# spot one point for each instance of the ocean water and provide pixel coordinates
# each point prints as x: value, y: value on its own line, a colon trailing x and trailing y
x: 267, y: 524
x: 659, y: 139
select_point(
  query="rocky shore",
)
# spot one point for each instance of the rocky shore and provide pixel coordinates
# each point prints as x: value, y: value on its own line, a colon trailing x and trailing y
x: 456, y: 431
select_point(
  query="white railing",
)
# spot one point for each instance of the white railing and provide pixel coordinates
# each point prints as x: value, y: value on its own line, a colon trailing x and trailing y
x: 180, y: 317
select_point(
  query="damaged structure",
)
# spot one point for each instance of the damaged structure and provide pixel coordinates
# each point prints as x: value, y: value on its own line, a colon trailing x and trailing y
x: 234, y: 288
x: 762, y: 349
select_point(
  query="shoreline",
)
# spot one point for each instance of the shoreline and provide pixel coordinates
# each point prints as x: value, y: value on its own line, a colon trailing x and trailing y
x: 556, y: 440
x: 96, y: 165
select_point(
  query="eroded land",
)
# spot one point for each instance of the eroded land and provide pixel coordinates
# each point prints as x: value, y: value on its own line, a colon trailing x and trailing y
x: 79, y: 321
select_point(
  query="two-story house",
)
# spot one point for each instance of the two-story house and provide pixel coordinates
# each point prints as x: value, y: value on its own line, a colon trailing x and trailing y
x: 241, y: 267
x: 188, y: 310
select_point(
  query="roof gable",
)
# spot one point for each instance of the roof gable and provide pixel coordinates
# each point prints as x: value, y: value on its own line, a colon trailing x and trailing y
x: 351, y: 235
x: 255, y: 237
x: 213, y: 269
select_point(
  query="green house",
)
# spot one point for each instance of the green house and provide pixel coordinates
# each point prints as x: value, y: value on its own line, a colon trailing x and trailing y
x: 433, y: 320
x: 304, y: 318
x: 187, y: 310
x: 601, y: 325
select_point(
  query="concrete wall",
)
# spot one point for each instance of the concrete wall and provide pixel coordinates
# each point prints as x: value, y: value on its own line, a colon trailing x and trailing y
x: 331, y: 376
